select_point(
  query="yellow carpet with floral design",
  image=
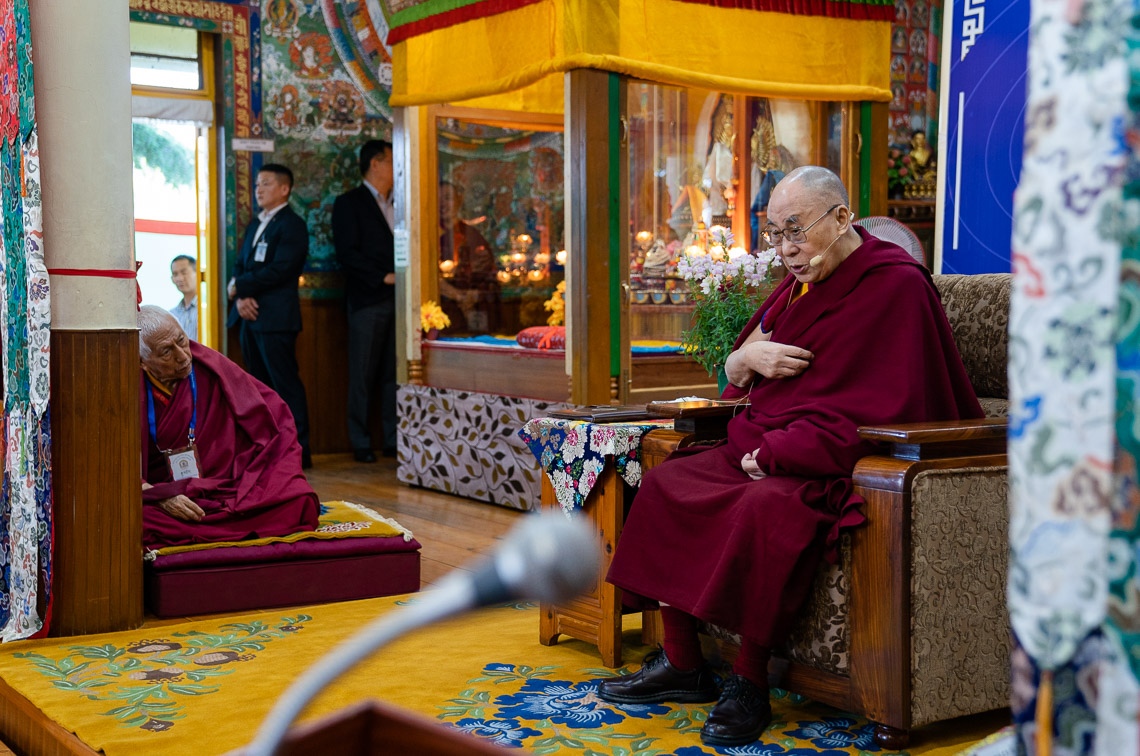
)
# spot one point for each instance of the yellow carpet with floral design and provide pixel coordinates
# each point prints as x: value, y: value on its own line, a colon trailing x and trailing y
x: 203, y: 687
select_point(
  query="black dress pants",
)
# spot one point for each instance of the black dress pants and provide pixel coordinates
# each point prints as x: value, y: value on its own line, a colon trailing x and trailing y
x: 372, y: 371
x: 271, y: 357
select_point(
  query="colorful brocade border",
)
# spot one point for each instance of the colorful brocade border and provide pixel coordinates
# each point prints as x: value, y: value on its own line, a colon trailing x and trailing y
x: 410, y: 18
x: 416, y: 17
x: 860, y: 10
x: 25, y: 312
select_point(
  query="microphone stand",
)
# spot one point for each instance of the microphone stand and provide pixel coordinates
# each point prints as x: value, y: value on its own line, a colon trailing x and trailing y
x: 446, y: 600
x: 550, y: 558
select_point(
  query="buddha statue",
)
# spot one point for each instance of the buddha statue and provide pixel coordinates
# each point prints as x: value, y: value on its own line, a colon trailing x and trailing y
x: 921, y: 157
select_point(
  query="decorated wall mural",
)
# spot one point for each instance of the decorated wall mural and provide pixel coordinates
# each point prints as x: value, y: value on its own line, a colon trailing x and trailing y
x: 314, y: 76
x: 326, y: 76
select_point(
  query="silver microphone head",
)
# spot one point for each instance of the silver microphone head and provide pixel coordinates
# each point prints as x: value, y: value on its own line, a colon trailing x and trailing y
x: 549, y: 558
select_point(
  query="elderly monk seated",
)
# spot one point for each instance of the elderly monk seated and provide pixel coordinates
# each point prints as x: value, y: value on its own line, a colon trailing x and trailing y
x: 733, y: 534
x: 220, y: 456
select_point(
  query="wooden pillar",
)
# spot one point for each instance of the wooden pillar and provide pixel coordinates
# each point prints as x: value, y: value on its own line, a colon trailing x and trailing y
x: 81, y: 58
x: 872, y: 197
x: 597, y: 176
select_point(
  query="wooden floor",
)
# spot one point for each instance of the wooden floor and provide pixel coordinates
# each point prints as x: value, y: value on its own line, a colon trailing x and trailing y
x: 453, y: 531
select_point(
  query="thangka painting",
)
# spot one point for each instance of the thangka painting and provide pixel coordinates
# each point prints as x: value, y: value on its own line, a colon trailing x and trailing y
x: 25, y: 498
x: 915, y: 55
x: 326, y: 78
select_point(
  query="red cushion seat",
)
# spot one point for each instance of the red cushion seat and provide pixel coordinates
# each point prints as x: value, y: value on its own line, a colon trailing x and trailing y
x: 243, y: 578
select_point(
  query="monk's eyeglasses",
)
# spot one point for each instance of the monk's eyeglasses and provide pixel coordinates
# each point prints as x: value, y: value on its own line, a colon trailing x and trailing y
x: 794, y: 234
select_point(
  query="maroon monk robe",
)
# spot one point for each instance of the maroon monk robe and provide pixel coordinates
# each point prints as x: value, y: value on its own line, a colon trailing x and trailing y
x: 251, y: 485
x: 740, y: 553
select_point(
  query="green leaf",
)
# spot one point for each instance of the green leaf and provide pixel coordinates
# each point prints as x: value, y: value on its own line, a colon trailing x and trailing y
x: 192, y: 690
x: 158, y: 150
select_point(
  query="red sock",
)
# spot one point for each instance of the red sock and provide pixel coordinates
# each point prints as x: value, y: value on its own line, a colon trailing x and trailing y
x: 681, y: 643
x: 752, y: 663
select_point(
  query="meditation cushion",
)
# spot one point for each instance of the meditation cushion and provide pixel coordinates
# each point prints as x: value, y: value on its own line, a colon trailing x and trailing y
x: 542, y: 337
x: 354, y: 554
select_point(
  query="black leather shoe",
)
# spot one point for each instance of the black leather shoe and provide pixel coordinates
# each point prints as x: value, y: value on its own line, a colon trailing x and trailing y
x: 306, y: 460
x: 740, y: 716
x: 363, y: 455
x: 658, y: 681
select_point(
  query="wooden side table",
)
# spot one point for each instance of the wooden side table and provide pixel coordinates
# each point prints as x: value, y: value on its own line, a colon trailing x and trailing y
x: 595, y: 617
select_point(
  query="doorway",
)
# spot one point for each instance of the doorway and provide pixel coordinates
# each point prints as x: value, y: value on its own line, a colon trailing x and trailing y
x: 175, y: 179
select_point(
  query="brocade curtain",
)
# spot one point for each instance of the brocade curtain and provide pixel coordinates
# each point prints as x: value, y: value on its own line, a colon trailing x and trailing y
x: 25, y: 497
x: 1074, y: 364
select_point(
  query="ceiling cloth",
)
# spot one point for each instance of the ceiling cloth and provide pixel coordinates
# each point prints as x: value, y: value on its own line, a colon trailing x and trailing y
x: 510, y: 54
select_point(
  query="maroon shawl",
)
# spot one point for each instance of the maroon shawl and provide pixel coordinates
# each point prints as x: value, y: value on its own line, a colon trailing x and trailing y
x: 251, y: 485
x: 705, y: 538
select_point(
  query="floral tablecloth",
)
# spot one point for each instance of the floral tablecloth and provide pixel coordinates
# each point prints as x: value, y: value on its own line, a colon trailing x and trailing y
x: 573, y: 453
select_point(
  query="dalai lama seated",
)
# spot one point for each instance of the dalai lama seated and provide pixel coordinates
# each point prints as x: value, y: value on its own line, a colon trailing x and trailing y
x: 220, y: 457
x: 733, y: 534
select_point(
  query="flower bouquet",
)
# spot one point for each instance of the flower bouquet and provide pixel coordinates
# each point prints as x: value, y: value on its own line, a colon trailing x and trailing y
x: 433, y: 318
x: 900, y: 173
x: 726, y: 284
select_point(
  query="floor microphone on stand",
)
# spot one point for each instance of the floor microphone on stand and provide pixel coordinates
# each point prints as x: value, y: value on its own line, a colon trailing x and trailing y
x: 549, y: 558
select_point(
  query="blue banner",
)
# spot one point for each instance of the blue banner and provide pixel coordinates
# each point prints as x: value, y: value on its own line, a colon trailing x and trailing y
x: 983, y: 115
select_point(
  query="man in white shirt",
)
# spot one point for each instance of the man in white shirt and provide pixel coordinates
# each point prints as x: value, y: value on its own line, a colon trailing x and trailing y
x: 184, y: 274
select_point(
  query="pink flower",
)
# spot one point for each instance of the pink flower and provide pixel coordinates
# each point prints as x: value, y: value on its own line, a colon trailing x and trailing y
x: 902, y: 171
x: 890, y: 163
x: 906, y: 159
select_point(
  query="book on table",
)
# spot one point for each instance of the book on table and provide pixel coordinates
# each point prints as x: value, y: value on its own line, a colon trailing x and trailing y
x: 691, y: 407
x: 604, y: 413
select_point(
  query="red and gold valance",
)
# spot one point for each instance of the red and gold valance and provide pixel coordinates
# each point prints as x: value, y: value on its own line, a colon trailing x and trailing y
x: 514, y: 58
x: 874, y: 10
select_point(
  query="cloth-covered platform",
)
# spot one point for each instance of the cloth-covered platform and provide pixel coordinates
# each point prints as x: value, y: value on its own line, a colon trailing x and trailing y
x: 203, y: 687
x: 353, y: 554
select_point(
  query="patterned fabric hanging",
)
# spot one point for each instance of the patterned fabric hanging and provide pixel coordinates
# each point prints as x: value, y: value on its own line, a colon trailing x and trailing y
x: 25, y: 498
x: 1071, y: 525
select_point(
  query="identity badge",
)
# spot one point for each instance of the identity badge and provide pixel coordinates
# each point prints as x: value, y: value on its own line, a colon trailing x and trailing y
x: 259, y: 251
x: 183, y: 463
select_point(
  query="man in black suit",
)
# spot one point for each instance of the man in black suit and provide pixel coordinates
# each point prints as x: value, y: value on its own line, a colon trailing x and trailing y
x: 264, y: 294
x: 362, y: 234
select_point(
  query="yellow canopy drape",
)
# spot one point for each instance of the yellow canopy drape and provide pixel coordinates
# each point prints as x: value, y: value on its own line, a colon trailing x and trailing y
x: 514, y: 60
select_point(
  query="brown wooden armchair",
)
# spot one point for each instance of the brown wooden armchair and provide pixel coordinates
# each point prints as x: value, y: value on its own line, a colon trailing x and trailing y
x: 910, y: 627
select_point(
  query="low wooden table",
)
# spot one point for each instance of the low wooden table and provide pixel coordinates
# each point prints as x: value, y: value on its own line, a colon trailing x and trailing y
x: 596, y: 616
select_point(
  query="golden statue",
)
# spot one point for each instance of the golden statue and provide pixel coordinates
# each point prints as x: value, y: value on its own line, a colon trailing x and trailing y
x: 923, y: 166
x: 921, y: 157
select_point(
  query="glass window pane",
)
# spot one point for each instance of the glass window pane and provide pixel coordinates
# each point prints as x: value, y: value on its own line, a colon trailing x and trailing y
x: 168, y: 41
x: 701, y: 159
x: 501, y: 226
x: 172, y: 73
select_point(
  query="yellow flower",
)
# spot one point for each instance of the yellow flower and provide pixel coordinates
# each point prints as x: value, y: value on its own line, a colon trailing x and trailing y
x: 557, y: 306
x: 431, y: 316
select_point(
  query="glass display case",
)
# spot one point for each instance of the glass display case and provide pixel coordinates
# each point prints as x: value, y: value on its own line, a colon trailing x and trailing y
x: 501, y: 219
x: 702, y: 166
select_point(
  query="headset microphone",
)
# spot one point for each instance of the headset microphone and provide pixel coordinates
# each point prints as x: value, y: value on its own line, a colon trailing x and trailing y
x: 816, y: 261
